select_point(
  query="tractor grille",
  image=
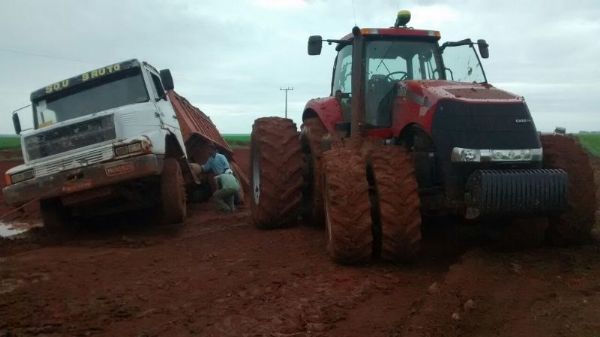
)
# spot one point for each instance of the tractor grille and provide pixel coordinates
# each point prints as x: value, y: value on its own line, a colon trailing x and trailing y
x: 70, y: 137
x: 479, y: 126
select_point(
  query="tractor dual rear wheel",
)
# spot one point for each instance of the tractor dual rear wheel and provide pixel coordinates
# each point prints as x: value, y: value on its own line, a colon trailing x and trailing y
x: 397, y: 203
x: 276, y: 172
x: 312, y: 132
x: 346, y: 205
x: 574, y: 225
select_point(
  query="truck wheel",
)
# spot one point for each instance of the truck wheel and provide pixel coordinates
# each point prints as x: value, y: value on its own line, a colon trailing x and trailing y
x: 574, y: 225
x: 312, y: 132
x: 397, y: 202
x: 172, y: 192
x: 276, y: 178
x: 346, y: 206
x: 55, y: 216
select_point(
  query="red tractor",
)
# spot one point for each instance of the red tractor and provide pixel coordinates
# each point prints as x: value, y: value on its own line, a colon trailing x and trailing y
x: 412, y: 128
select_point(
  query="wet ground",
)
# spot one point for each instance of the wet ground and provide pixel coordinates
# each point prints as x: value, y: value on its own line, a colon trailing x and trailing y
x: 219, y: 276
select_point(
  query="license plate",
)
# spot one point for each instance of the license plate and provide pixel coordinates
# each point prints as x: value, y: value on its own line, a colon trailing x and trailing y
x: 119, y: 169
x: 76, y: 186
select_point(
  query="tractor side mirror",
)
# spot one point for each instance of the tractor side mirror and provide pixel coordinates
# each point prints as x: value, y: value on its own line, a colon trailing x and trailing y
x: 17, y: 123
x: 483, y: 48
x: 167, y: 79
x: 315, y: 43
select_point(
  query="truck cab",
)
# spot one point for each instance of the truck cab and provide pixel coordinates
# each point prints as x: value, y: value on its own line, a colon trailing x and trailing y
x: 104, y: 134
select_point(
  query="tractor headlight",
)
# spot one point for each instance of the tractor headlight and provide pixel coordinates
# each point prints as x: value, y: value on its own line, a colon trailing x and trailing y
x: 21, y: 176
x: 483, y: 155
x: 465, y: 155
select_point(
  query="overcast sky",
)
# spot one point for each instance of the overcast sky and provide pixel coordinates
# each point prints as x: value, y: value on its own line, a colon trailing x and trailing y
x: 230, y: 58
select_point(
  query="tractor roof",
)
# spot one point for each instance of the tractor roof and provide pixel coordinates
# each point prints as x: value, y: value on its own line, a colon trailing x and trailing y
x: 397, y: 32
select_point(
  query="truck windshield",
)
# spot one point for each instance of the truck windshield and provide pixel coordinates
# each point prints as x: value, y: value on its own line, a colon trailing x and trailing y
x: 110, y: 92
x: 389, y: 61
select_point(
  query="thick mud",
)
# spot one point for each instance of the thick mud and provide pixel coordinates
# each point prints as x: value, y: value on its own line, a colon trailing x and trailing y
x: 219, y: 276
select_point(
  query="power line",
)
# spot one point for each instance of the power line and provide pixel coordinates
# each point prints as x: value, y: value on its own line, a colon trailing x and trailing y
x: 286, y: 94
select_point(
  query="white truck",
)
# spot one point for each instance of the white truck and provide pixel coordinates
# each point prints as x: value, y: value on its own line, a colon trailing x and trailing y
x: 105, y: 141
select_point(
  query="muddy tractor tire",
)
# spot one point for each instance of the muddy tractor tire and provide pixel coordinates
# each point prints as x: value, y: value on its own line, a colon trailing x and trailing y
x: 276, y: 173
x: 396, y: 203
x: 172, y: 193
x: 311, y: 135
x: 574, y: 225
x: 346, y: 206
x: 55, y: 216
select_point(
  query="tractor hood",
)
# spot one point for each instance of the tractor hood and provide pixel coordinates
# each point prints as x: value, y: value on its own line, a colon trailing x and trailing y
x: 433, y: 91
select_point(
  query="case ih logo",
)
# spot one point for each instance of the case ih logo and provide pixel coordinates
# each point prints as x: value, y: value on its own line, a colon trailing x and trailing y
x: 522, y: 120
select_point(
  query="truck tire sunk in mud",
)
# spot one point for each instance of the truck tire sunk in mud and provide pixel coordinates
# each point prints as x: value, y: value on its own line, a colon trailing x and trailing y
x: 312, y: 132
x: 396, y: 203
x: 346, y: 205
x: 575, y: 224
x: 276, y: 173
x: 172, y: 193
x: 55, y: 216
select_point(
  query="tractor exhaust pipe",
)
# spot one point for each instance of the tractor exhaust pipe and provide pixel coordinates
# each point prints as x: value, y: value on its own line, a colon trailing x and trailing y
x: 358, y: 85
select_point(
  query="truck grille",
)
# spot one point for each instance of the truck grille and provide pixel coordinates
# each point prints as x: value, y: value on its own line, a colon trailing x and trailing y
x: 79, y: 160
x: 70, y: 137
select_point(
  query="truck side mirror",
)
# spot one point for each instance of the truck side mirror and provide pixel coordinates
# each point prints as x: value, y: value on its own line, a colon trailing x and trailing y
x: 17, y: 123
x: 315, y: 43
x: 483, y: 48
x: 167, y: 79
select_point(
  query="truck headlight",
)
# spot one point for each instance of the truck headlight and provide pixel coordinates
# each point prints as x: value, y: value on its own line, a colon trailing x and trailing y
x: 22, y: 176
x: 135, y: 147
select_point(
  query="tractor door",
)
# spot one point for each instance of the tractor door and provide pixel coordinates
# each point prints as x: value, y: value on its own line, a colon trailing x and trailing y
x: 390, y: 61
x: 342, y: 81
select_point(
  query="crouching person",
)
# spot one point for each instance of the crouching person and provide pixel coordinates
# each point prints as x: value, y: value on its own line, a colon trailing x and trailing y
x: 228, y: 187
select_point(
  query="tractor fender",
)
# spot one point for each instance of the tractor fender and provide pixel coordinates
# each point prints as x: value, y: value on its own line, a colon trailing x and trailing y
x: 327, y: 109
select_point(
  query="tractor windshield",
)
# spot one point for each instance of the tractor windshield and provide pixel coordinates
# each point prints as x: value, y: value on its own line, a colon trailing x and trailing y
x: 462, y: 64
x: 389, y: 61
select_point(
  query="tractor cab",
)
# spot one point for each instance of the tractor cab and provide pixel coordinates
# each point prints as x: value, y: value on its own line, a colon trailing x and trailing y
x: 393, y: 55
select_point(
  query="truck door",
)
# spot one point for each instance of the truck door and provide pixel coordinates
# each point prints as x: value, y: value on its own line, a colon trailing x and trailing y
x: 165, y: 108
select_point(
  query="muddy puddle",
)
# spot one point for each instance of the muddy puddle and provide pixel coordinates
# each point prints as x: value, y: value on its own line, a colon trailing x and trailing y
x: 14, y: 228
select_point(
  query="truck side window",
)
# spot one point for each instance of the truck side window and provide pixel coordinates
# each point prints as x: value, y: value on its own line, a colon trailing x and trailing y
x: 160, y: 91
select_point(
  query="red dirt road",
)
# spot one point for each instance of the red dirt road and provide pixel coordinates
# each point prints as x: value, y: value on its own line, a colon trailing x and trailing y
x: 219, y: 276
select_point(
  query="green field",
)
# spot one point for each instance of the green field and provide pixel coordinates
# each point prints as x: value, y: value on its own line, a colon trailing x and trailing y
x: 591, y: 141
x: 9, y: 142
x: 237, y: 139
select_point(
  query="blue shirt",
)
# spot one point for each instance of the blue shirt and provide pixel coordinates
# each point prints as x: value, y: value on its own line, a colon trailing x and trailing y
x: 217, y: 164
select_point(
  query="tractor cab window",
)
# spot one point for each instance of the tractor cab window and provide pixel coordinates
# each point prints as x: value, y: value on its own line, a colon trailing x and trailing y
x: 390, y: 61
x: 342, y: 80
x: 462, y: 64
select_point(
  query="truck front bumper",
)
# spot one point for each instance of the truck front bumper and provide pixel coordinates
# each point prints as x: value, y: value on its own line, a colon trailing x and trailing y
x: 83, y: 179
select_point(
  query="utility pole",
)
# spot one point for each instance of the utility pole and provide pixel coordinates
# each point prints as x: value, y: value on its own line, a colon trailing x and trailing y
x: 286, y: 93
